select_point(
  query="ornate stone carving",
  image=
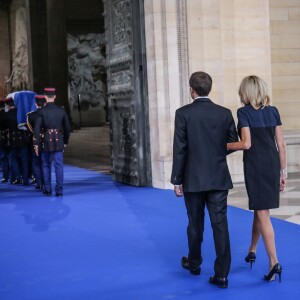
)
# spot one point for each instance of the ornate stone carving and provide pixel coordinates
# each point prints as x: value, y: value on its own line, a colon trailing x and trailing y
x: 124, y: 78
x: 86, y: 68
x: 120, y: 10
x: 121, y: 78
x: 18, y: 79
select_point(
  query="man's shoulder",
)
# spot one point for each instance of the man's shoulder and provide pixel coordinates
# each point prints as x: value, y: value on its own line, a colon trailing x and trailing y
x: 184, y: 108
x: 222, y: 108
x: 52, y: 107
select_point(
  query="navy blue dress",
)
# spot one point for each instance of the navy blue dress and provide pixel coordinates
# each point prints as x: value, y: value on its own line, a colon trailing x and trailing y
x: 261, y: 161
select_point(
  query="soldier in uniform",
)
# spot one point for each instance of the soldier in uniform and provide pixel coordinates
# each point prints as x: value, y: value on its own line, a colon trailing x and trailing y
x: 37, y: 169
x: 18, y: 145
x: 52, y: 121
x: 3, y: 144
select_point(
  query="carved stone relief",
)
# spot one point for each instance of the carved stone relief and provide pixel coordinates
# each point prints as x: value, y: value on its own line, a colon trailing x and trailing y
x: 18, y: 79
x: 119, y: 21
x: 123, y: 132
x: 87, y: 66
x: 124, y: 91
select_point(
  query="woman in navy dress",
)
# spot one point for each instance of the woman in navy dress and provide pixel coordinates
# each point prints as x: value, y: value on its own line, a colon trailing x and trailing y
x: 261, y: 138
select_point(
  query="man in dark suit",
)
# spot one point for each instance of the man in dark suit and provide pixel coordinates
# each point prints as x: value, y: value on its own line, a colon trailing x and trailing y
x: 200, y: 173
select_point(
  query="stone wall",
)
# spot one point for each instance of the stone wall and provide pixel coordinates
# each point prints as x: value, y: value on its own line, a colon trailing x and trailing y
x: 285, y: 51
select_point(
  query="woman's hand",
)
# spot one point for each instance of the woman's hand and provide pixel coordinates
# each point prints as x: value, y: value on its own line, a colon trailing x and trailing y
x: 282, y: 183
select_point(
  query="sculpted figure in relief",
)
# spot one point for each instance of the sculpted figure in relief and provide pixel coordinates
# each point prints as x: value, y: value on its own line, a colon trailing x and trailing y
x: 87, y: 70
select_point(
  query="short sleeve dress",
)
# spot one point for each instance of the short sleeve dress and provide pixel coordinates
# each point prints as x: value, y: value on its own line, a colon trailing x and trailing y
x: 261, y: 160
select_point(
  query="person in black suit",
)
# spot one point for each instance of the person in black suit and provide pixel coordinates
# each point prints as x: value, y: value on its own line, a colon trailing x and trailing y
x: 200, y: 173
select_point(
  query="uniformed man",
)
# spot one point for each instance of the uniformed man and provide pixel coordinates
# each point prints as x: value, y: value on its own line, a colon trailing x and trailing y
x: 53, y: 122
x: 37, y: 169
x: 3, y: 144
x: 18, y: 145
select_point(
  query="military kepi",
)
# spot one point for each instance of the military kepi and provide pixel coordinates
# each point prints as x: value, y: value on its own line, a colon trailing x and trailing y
x: 49, y: 91
x: 40, y: 100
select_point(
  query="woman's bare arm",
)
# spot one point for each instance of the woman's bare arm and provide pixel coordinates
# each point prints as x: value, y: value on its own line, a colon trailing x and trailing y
x: 282, y: 156
x: 244, y: 143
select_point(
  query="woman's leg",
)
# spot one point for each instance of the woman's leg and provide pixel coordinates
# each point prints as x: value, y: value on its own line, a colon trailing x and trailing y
x: 267, y: 232
x: 255, y: 233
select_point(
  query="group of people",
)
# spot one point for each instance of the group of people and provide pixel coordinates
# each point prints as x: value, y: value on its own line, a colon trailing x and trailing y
x: 204, y: 134
x: 27, y: 152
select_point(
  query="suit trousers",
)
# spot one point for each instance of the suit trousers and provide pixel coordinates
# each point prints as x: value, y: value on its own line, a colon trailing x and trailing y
x: 216, y: 203
x: 58, y: 161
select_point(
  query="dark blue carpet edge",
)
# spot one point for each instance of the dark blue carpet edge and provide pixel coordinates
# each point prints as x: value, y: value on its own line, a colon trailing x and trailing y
x: 105, y: 240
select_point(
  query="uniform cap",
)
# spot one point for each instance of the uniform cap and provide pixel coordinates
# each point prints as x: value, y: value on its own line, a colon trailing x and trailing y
x: 49, y: 91
x: 40, y: 100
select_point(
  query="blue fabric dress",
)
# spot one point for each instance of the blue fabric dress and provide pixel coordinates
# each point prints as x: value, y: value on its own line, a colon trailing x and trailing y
x: 261, y: 161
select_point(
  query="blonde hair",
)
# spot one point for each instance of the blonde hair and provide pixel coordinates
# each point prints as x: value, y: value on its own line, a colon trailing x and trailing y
x: 253, y: 90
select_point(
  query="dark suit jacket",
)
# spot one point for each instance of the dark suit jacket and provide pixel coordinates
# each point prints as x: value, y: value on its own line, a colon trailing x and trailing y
x: 202, y: 130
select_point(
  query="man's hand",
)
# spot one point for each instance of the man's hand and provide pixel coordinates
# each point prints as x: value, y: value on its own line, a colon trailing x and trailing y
x: 178, y: 190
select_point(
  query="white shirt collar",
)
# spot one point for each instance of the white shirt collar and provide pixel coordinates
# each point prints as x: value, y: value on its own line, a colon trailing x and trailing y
x: 199, y: 97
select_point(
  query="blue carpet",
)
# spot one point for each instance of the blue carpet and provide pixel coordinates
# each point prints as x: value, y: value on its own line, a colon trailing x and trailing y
x: 109, y: 241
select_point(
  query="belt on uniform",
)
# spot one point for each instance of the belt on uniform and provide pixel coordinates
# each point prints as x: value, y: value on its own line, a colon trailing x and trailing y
x: 53, y: 130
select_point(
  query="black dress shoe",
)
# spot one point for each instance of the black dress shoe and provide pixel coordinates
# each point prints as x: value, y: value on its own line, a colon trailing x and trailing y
x: 38, y: 187
x: 4, y: 180
x: 16, y: 181
x: 186, y: 265
x: 58, y: 194
x: 221, y: 282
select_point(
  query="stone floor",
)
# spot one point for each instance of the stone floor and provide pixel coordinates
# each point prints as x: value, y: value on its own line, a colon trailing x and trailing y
x: 89, y: 148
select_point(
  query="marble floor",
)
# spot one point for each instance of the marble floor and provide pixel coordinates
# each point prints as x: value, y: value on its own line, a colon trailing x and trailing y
x: 89, y: 148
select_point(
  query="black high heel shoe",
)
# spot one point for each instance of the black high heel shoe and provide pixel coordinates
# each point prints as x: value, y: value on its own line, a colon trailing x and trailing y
x: 277, y: 269
x: 250, y: 258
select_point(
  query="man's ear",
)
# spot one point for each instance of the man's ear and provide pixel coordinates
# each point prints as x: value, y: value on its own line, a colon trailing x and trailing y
x: 192, y: 92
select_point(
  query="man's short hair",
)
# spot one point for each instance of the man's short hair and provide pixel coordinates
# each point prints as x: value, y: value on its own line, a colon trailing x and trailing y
x: 201, y: 83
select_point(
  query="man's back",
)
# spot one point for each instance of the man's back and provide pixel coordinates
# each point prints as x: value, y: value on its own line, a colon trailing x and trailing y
x: 54, y: 116
x: 200, y: 146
